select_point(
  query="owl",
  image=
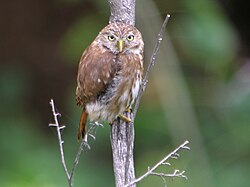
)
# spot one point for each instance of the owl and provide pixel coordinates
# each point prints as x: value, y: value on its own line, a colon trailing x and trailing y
x: 109, y: 74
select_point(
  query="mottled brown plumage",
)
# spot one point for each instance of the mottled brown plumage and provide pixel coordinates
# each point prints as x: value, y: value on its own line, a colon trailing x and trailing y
x: 109, y: 74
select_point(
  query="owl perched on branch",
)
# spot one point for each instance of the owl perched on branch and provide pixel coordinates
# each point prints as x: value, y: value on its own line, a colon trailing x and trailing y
x: 109, y: 74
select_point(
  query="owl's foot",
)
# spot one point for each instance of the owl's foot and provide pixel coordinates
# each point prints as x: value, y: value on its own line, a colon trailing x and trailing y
x: 124, y: 118
x: 129, y: 109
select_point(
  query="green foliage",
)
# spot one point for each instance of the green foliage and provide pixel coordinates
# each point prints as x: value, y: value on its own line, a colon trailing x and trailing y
x: 78, y: 37
x: 207, y: 38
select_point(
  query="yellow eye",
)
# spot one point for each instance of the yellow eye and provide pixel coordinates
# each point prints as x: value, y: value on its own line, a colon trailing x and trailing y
x: 111, y: 37
x: 130, y: 37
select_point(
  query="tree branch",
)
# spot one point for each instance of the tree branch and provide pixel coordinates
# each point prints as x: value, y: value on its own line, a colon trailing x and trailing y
x: 84, y: 142
x: 176, y: 173
x: 58, y: 130
x: 151, y: 64
x: 122, y: 142
x: 122, y: 11
x: 122, y: 133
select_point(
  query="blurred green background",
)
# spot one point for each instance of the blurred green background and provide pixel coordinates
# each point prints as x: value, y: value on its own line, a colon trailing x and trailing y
x: 199, y: 91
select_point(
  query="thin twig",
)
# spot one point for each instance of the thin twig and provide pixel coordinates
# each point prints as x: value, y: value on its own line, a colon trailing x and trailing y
x: 150, y: 171
x: 150, y: 65
x: 176, y: 173
x: 58, y: 129
x: 84, y: 142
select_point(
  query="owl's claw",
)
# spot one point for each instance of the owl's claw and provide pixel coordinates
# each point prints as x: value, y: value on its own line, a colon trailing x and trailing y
x: 129, y: 109
x: 124, y: 118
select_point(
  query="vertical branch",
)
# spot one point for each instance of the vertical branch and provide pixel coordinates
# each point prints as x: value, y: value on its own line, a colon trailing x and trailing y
x: 151, y: 64
x: 122, y: 133
x: 122, y: 142
x: 122, y: 11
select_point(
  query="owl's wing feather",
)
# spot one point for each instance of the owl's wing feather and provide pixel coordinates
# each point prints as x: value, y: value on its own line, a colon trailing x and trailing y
x: 96, y: 70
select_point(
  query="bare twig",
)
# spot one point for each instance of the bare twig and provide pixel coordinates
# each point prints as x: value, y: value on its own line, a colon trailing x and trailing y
x: 58, y: 129
x: 84, y: 142
x: 150, y: 65
x: 176, y: 173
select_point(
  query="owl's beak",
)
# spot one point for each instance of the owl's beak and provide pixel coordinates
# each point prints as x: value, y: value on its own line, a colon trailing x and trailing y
x: 120, y: 45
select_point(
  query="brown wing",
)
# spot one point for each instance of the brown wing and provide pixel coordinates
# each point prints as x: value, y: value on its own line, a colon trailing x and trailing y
x: 96, y: 70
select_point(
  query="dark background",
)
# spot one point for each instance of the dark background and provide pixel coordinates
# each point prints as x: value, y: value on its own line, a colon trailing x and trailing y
x: 199, y: 91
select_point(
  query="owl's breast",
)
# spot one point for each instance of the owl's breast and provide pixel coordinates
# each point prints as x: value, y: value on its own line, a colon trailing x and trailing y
x: 120, y: 93
x: 114, y: 102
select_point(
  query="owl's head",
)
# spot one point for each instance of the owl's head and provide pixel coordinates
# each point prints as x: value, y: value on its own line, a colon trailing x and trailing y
x: 121, y: 38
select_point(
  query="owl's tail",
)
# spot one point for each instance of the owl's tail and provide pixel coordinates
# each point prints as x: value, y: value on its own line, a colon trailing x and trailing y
x: 82, y: 125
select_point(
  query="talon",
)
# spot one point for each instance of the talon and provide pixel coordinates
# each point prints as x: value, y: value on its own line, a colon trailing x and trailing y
x: 124, y: 118
x: 129, y: 109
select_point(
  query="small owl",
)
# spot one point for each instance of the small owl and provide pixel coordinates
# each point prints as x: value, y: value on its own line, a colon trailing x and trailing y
x: 109, y: 74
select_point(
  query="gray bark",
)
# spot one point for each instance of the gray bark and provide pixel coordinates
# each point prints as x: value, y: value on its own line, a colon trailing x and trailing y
x: 122, y: 11
x: 122, y: 133
x: 122, y: 142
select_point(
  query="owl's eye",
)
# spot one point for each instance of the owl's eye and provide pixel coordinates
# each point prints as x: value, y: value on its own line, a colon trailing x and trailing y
x: 130, y: 37
x: 111, y: 37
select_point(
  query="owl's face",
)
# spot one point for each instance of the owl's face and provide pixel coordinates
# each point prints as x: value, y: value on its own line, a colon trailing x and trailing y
x: 121, y: 38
